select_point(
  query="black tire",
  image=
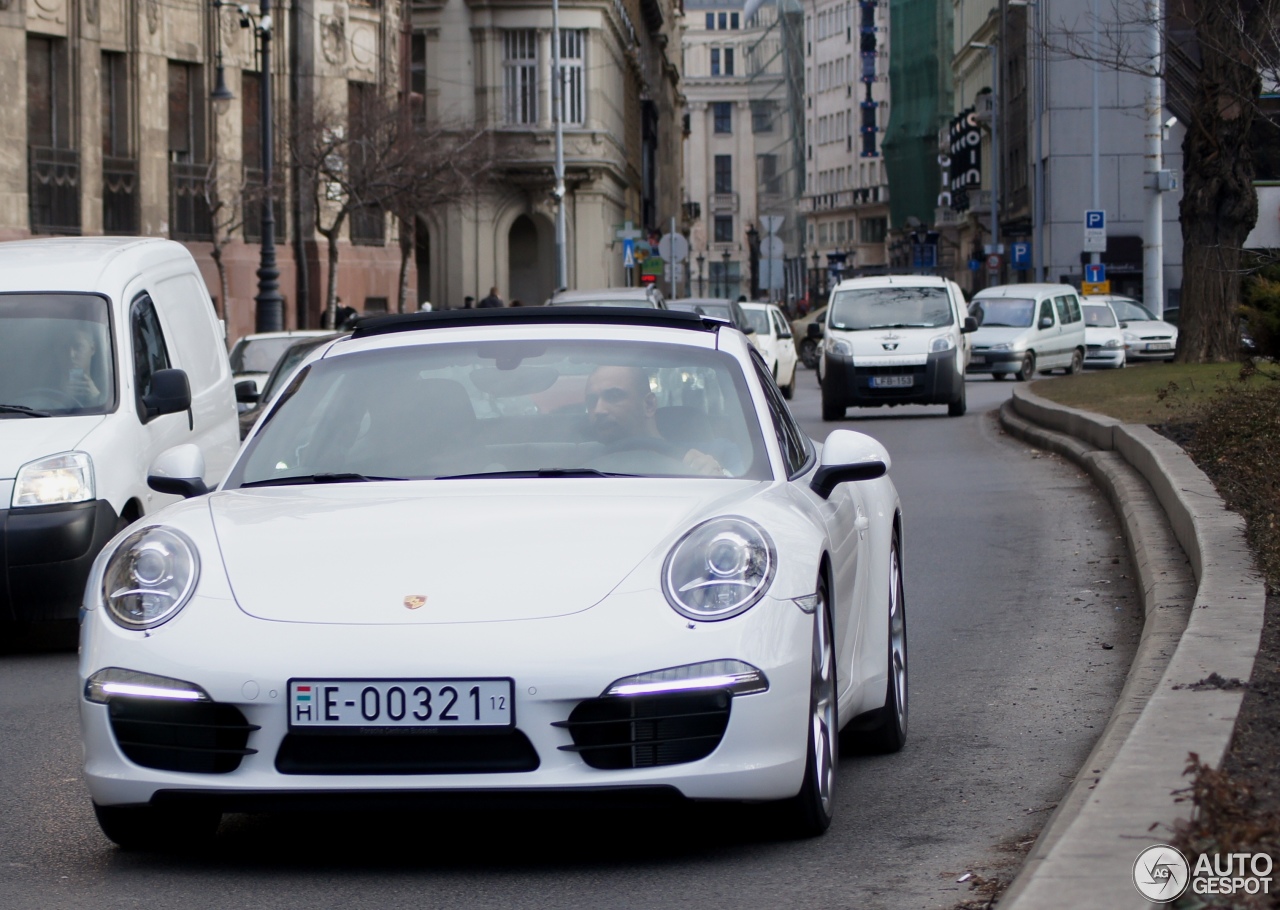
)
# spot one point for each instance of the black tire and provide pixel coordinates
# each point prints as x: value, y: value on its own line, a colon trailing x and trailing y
x: 832, y: 409
x: 809, y: 812
x: 1077, y: 362
x: 809, y: 353
x: 789, y: 390
x: 998, y: 377
x: 888, y: 732
x: 156, y: 829
x: 960, y: 405
x: 1028, y: 368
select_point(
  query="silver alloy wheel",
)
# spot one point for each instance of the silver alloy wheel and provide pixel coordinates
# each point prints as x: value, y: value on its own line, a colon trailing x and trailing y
x: 822, y: 737
x: 897, y: 639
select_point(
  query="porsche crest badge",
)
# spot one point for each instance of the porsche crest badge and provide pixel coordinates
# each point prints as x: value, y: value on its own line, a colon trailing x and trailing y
x: 414, y: 601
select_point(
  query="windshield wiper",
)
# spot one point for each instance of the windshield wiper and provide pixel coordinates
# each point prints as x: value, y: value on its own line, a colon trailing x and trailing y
x: 23, y: 409
x: 315, y: 478
x: 903, y: 325
x: 540, y: 472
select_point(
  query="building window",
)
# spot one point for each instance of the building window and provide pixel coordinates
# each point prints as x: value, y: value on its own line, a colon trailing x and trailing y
x: 189, y: 216
x: 53, y: 166
x: 724, y: 229
x: 711, y: 22
x: 723, y: 21
x: 418, y: 77
x: 723, y: 111
x: 733, y: 20
x: 715, y: 61
x: 724, y: 173
x: 368, y: 224
x: 119, y: 170
x: 728, y: 61
x: 251, y: 152
x: 762, y: 114
x: 520, y: 76
x: 572, y: 89
x: 872, y: 230
x: 768, y: 174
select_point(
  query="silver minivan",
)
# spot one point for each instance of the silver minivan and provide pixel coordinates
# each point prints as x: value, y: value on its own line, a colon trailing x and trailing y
x: 1025, y: 328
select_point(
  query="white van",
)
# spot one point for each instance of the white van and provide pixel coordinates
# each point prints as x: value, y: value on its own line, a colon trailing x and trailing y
x: 894, y: 339
x: 110, y: 353
x: 1023, y: 328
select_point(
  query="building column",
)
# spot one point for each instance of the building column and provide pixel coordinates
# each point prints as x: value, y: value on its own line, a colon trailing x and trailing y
x: 544, y: 78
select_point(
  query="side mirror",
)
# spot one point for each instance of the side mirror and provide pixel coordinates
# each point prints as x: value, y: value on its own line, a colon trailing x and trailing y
x: 970, y: 325
x: 247, y: 391
x: 179, y: 470
x: 1124, y: 325
x: 814, y: 330
x: 1046, y: 322
x: 170, y: 393
x: 748, y: 330
x: 848, y: 457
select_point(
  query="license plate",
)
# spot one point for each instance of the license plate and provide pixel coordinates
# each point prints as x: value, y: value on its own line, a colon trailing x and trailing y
x: 978, y: 358
x: 891, y: 382
x: 1160, y: 346
x: 401, y: 703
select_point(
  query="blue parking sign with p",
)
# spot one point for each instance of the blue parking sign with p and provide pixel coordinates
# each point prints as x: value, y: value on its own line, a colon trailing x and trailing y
x: 1095, y: 220
x: 1021, y: 254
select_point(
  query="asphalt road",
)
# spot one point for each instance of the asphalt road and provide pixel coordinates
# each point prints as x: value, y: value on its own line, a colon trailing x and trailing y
x: 1016, y: 582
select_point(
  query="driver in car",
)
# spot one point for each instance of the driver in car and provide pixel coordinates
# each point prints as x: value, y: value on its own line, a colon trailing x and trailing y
x: 621, y: 409
x: 78, y: 383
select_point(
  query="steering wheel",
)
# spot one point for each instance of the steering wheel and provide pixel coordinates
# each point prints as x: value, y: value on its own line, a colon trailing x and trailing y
x: 60, y: 398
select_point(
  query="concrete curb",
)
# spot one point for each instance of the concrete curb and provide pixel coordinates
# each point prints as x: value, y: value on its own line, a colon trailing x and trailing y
x: 1198, y: 623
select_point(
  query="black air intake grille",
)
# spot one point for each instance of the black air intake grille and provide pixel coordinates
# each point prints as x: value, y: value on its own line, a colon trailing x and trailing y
x: 203, y: 737
x: 406, y: 753
x: 647, y: 730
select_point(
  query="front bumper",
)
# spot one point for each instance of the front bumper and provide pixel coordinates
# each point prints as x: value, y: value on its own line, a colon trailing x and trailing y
x: 995, y: 361
x: 1151, y: 349
x: 556, y: 664
x: 1101, y: 357
x: 936, y: 381
x: 45, y: 556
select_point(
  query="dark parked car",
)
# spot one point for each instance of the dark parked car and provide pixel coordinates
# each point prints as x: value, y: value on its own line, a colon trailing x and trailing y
x: 284, y: 369
x: 716, y: 308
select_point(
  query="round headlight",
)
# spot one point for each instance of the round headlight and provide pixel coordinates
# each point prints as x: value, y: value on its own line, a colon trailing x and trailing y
x: 150, y: 578
x: 941, y: 343
x: 719, y: 569
x: 839, y: 346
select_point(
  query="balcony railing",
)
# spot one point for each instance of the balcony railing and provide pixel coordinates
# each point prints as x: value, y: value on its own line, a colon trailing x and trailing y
x: 189, y: 217
x: 53, y: 188
x: 119, y: 195
x: 724, y: 203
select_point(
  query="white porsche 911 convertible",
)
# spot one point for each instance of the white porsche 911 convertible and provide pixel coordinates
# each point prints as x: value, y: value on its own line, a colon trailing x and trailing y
x: 549, y: 551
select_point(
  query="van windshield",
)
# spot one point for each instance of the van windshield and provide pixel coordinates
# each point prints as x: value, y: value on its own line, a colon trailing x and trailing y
x: 1015, y: 312
x: 859, y: 309
x: 55, y: 355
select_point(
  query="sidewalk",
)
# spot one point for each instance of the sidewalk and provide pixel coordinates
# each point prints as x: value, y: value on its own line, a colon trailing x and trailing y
x: 1203, y: 604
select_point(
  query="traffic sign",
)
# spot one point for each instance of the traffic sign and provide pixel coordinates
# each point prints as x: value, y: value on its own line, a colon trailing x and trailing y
x: 673, y: 247
x: 771, y: 223
x: 771, y: 247
x: 1094, y: 273
x: 628, y: 253
x: 1095, y: 231
x: 1090, y: 288
x: 993, y: 262
x: 1021, y: 254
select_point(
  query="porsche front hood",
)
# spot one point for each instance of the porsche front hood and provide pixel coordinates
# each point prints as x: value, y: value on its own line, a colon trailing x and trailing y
x: 449, y: 551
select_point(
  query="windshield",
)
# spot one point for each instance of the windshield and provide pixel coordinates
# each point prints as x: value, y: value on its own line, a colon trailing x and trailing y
x: 1099, y: 316
x: 758, y: 320
x: 499, y: 408
x: 1015, y: 312
x: 258, y: 355
x: 55, y: 355
x: 891, y: 307
x: 1132, y: 311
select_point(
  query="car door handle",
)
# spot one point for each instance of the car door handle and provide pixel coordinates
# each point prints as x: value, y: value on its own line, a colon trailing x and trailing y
x: 862, y: 523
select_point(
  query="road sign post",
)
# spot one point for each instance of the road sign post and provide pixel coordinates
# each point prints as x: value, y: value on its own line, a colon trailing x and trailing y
x: 1095, y: 231
x: 628, y: 233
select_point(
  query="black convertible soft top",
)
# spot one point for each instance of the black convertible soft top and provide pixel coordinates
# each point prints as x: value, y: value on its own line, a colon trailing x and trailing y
x: 550, y: 315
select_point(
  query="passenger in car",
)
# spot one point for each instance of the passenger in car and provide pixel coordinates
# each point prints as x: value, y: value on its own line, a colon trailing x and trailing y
x: 621, y: 411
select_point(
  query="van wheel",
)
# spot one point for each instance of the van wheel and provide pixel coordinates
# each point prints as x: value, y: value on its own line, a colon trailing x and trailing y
x: 1077, y: 362
x: 1028, y: 368
x: 832, y: 407
x: 957, y: 408
x: 998, y: 377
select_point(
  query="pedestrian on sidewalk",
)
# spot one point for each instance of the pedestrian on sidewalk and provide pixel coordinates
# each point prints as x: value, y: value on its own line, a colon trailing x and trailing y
x: 492, y: 300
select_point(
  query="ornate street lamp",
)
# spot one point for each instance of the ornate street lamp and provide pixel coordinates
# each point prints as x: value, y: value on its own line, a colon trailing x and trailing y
x: 701, y: 260
x: 753, y: 256
x: 724, y: 273
x: 269, y: 305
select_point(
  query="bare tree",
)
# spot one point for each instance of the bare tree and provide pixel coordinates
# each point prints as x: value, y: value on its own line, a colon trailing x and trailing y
x: 231, y: 202
x: 1218, y: 53
x: 445, y: 164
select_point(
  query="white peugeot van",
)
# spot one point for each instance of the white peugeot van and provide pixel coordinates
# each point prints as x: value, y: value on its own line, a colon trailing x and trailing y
x: 1023, y: 328
x: 110, y: 353
x: 894, y: 339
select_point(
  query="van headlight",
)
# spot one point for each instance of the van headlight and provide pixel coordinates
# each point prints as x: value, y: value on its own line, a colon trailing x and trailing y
x: 941, y: 343
x: 58, y: 479
x: 149, y: 578
x: 1113, y: 343
x: 719, y: 569
x: 839, y: 346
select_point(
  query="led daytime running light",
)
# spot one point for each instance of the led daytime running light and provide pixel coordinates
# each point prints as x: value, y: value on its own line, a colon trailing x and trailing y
x: 118, y: 682
x: 735, y: 676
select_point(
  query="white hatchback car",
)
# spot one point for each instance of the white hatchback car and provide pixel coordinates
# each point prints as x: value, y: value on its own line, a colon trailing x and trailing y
x: 587, y: 548
x: 1145, y: 336
x: 772, y: 337
x: 1103, y: 335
